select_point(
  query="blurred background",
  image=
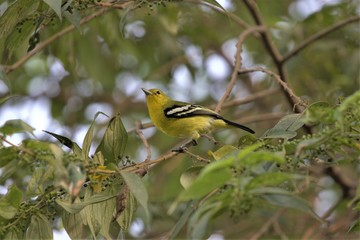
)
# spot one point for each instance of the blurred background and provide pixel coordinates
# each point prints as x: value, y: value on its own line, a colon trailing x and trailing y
x: 185, y: 48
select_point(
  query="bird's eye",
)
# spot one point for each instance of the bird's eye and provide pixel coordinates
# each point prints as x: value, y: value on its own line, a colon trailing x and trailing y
x: 158, y: 92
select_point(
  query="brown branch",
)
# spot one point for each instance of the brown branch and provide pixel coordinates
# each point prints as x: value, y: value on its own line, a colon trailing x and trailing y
x: 238, y: 64
x: 262, y: 117
x: 275, y: 54
x: 232, y: 16
x: 13, y: 145
x: 111, y: 4
x: 197, y: 157
x: 139, y: 166
x: 319, y: 35
x: 144, y: 140
x: 56, y: 36
x: 250, y: 98
x: 273, y: 51
x: 267, y: 225
x: 297, y: 101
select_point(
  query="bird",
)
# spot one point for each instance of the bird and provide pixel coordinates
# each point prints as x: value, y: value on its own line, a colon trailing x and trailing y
x: 182, y: 119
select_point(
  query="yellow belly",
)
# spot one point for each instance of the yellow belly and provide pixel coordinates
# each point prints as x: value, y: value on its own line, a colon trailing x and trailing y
x: 191, y: 127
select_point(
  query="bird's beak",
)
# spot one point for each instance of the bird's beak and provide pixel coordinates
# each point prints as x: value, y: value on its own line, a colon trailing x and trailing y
x: 147, y: 92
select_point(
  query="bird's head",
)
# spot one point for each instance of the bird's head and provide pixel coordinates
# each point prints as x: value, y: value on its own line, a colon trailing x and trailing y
x: 155, y: 95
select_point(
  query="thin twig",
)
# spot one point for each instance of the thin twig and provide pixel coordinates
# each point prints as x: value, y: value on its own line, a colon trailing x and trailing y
x: 238, y: 64
x: 297, y: 101
x: 319, y: 35
x: 279, y: 231
x: 232, y: 16
x: 144, y: 140
x: 197, y: 157
x: 56, y: 36
x: 274, y: 52
x: 136, y: 167
x: 262, y: 117
x: 142, y: 126
x: 267, y: 225
x: 250, y: 98
x: 13, y: 145
x: 111, y: 4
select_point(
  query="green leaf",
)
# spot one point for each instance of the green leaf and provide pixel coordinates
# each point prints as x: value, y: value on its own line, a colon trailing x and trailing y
x: 199, y: 222
x: 10, y: 202
x: 137, y: 187
x: 103, y: 212
x: 14, y: 14
x: 73, y: 17
x: 282, y: 198
x: 39, y: 228
x: 76, y: 207
x: 271, y: 179
x: 73, y: 224
x: 13, y: 234
x: 188, y: 177
x: 286, y: 127
x: 67, y: 142
x: 88, y: 138
x: 16, y: 126
x: 278, y: 133
x: 55, y: 5
x: 113, y: 143
x: 205, y: 183
x: 182, y: 221
x: 222, y: 152
x: 127, y: 215
x: 319, y: 112
x: 354, y: 227
x: 254, y: 158
x: 247, y: 140
x: 8, y: 154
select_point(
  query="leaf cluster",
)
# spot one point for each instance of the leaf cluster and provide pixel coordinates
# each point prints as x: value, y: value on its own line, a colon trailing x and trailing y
x: 90, y: 194
x: 98, y: 196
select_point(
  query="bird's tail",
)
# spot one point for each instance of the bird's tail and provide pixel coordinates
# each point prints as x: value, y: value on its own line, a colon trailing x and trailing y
x: 234, y: 124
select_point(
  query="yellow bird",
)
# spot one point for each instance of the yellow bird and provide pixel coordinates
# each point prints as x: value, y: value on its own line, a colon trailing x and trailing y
x: 184, y: 120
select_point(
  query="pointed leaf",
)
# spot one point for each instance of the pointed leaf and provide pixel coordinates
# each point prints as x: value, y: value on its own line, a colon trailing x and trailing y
x: 286, y: 127
x: 222, y: 152
x: 127, y: 215
x: 73, y: 223
x: 16, y: 126
x: 10, y: 202
x: 55, y: 5
x: 14, y: 14
x: 40, y: 228
x: 291, y: 201
x: 137, y: 187
x: 76, y: 207
x: 205, y: 183
x: 88, y: 137
x: 189, y: 176
x: 114, y: 141
x: 67, y: 142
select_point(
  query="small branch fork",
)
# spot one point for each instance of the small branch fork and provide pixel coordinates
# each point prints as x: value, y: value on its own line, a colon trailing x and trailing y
x: 238, y: 64
x: 144, y: 140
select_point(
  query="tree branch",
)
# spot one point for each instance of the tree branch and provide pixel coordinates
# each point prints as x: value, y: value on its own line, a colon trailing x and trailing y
x: 297, y: 101
x: 42, y: 45
x: 144, y: 140
x: 238, y: 64
x: 267, y: 225
x: 273, y: 51
x: 317, y: 36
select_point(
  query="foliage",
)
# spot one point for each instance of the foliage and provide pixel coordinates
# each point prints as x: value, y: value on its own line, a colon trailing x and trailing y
x: 68, y: 53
